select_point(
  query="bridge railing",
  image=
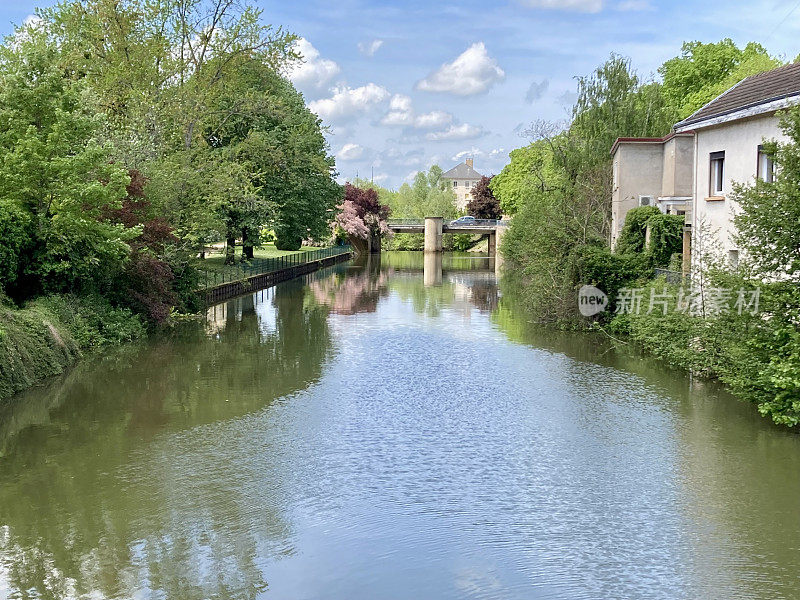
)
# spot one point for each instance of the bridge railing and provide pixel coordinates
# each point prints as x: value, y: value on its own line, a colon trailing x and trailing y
x: 409, y: 222
x: 450, y: 223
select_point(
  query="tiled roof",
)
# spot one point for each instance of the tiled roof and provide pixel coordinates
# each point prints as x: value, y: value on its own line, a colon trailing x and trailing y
x: 462, y: 171
x: 780, y: 83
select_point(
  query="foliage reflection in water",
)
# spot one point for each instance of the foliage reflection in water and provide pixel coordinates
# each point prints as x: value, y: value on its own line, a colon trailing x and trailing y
x: 390, y: 430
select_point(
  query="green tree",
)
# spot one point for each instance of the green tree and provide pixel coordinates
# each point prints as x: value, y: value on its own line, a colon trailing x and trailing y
x: 564, y: 182
x: 530, y: 171
x: 54, y: 174
x: 428, y: 195
x: 703, y: 71
x: 768, y: 223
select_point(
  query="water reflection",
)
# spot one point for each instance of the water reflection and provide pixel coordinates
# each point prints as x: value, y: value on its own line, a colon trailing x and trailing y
x: 361, y: 434
x: 354, y: 290
x: 127, y: 476
x: 432, y: 268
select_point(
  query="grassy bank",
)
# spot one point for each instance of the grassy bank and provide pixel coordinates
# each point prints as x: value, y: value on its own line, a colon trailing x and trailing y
x: 50, y: 334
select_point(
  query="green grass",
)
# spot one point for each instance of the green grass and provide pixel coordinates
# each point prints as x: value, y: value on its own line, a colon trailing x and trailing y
x: 216, y: 261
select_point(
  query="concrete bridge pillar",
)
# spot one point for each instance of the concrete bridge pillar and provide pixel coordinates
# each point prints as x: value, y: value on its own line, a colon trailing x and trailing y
x: 493, y: 244
x: 432, y: 269
x: 433, y: 234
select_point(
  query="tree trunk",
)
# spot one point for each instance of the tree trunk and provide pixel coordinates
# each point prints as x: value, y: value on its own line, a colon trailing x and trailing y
x: 247, y: 243
x: 359, y: 245
x: 375, y: 243
x: 230, y: 251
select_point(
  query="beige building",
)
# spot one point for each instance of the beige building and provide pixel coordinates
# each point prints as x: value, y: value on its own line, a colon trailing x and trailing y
x: 651, y: 172
x: 462, y: 178
x: 722, y: 142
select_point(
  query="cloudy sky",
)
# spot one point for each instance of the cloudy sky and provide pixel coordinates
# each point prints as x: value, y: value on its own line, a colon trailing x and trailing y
x: 403, y: 85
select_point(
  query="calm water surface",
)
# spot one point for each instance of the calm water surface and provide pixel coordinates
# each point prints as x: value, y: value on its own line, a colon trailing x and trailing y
x: 390, y: 432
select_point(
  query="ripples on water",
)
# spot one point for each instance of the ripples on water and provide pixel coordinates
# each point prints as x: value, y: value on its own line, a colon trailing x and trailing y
x: 366, y: 436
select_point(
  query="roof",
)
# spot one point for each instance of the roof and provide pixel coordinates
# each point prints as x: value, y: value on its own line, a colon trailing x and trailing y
x: 653, y: 140
x: 769, y: 91
x: 462, y: 171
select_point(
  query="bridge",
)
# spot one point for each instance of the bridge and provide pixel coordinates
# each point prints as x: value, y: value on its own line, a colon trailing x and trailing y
x: 434, y: 227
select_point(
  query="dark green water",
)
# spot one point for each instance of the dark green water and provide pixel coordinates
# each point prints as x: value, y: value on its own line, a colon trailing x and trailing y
x: 363, y: 435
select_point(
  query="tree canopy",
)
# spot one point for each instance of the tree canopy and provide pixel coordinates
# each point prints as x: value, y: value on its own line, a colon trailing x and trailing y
x: 188, y: 95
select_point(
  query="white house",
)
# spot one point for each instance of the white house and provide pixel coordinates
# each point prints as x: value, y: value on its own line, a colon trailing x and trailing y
x: 463, y: 177
x: 724, y: 142
x: 728, y: 134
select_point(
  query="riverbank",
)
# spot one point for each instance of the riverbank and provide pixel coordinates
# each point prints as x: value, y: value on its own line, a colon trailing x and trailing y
x: 744, y: 336
x: 50, y: 334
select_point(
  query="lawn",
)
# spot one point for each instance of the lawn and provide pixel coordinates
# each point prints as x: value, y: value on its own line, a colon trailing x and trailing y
x: 216, y: 261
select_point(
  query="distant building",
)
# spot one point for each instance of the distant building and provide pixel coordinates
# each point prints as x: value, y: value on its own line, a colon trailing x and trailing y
x: 707, y: 153
x: 462, y: 178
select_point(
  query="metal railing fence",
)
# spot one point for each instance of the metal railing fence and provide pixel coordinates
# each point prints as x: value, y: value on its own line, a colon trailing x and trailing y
x: 211, y: 278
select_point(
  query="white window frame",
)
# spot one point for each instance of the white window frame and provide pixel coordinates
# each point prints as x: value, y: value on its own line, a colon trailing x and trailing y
x: 766, y: 166
x: 717, y: 173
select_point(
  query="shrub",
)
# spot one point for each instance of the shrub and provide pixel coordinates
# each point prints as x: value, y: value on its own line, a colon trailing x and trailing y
x: 632, y: 236
x: 598, y: 266
x: 666, y: 238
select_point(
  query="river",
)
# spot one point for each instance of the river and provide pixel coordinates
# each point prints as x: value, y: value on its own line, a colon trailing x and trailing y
x: 391, y: 432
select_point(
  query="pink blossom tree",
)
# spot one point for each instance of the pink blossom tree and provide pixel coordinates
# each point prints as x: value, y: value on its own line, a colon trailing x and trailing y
x: 363, y: 218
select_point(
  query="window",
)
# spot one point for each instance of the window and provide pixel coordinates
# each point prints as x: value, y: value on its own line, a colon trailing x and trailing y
x: 733, y: 259
x: 468, y: 184
x: 455, y: 183
x: 766, y: 166
x: 717, y: 173
x: 616, y: 174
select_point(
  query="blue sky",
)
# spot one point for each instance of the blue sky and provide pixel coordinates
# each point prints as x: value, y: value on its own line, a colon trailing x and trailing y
x: 403, y: 85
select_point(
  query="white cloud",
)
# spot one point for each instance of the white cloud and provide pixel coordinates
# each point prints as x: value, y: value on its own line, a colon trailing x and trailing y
x: 476, y: 152
x: 433, y: 119
x: 472, y: 153
x: 589, y: 6
x: 347, y: 103
x: 370, y: 48
x: 32, y: 21
x: 473, y: 72
x: 315, y: 72
x: 401, y: 113
x: 350, y: 152
x: 465, y: 131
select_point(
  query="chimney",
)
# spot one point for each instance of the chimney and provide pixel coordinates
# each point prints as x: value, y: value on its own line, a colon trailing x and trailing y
x: 469, y: 163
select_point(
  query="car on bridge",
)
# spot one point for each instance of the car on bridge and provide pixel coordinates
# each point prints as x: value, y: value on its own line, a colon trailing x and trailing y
x: 465, y: 220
